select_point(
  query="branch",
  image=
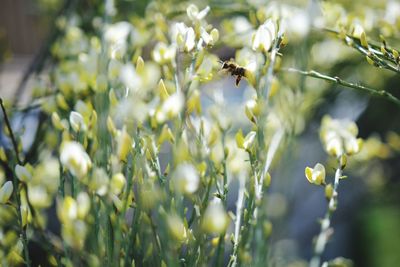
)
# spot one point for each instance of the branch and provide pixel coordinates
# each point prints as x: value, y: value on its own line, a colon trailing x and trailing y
x: 372, y: 51
x: 12, y: 137
x: 374, y: 92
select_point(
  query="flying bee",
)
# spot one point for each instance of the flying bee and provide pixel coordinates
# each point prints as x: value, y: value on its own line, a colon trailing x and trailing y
x: 234, y: 69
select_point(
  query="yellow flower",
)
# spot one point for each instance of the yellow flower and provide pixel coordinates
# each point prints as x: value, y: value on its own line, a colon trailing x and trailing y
x: 74, y: 157
x: 316, y: 175
x: 339, y: 136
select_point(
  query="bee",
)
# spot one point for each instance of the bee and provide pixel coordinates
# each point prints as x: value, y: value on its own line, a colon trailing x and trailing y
x: 234, y: 69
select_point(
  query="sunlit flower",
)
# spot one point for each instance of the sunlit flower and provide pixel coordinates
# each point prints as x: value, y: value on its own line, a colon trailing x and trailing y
x: 74, y: 233
x: 215, y: 218
x: 209, y: 38
x: 99, y: 182
x: 176, y: 228
x: 124, y: 144
x: 23, y: 173
x: 184, y: 36
x: 339, y: 136
x: 316, y: 175
x: 76, y: 121
x: 117, y: 183
x: 171, y: 107
x: 194, y: 14
x: 84, y: 204
x: 245, y: 142
x: 74, y: 157
x: 264, y: 36
x: 116, y: 35
x: 67, y: 209
x: 129, y: 77
x: 163, y: 53
x: 185, y: 178
x: 38, y: 196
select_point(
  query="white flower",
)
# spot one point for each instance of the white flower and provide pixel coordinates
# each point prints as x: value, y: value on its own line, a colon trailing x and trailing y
x: 163, y: 53
x: 184, y: 36
x: 215, y: 218
x: 209, y: 38
x: 299, y: 24
x: 118, y: 32
x: 6, y: 192
x: 339, y: 136
x: 116, y: 35
x: 316, y: 175
x: 22, y: 173
x: 264, y: 36
x: 99, y: 182
x: 185, y: 178
x: 171, y: 107
x: 194, y: 14
x: 76, y: 121
x: 74, y: 157
x: 249, y: 140
x: 129, y: 77
x: 39, y: 197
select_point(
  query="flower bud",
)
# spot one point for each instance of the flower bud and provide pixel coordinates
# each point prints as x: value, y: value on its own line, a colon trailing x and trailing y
x: 124, y: 143
x: 83, y: 202
x: 328, y: 191
x: 140, y: 65
x: 162, y: 90
x: 117, y: 183
x: 6, y: 191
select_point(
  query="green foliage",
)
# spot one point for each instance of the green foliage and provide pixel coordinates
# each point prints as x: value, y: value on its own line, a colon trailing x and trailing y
x: 144, y: 143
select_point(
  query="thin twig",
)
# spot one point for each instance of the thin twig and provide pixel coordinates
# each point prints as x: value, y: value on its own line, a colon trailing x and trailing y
x: 15, y: 184
x: 371, y: 51
x: 325, y: 232
x: 13, y: 140
x: 239, y: 210
x: 374, y: 92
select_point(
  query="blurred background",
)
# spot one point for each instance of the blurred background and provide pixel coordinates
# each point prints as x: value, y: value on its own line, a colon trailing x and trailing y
x: 367, y: 222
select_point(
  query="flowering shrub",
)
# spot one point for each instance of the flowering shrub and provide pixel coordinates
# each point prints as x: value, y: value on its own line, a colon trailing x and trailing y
x: 146, y: 159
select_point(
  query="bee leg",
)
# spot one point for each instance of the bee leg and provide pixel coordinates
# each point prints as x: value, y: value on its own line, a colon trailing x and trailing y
x: 238, y: 78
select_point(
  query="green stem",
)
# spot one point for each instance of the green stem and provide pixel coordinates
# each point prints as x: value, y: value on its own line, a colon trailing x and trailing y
x: 372, y: 51
x: 239, y: 210
x: 374, y: 92
x: 221, y: 240
x: 16, y: 187
x: 324, y: 234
